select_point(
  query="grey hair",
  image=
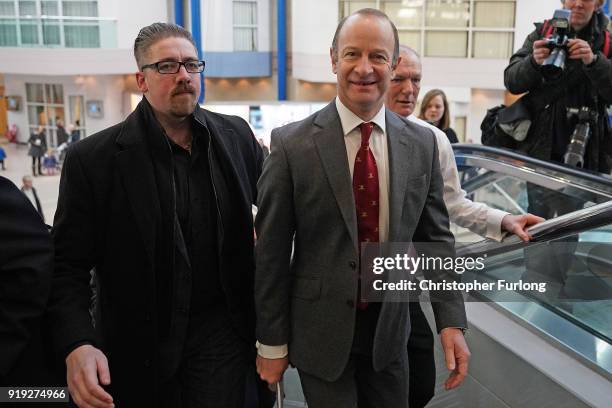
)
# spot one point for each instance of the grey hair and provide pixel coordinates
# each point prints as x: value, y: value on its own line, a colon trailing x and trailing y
x: 409, y: 51
x: 150, y: 34
x: 367, y: 12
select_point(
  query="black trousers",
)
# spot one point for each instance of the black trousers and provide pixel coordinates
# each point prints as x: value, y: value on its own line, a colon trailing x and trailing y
x: 213, y: 369
x: 36, y: 165
x: 421, y: 360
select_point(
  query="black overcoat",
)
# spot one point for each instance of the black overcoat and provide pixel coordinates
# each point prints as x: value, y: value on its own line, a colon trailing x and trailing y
x: 110, y: 217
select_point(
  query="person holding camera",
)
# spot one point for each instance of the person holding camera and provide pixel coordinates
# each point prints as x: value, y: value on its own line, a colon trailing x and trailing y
x: 564, y: 67
x: 580, y: 78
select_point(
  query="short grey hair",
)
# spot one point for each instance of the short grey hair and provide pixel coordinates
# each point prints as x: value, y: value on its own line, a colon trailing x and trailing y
x: 367, y: 12
x: 151, y: 34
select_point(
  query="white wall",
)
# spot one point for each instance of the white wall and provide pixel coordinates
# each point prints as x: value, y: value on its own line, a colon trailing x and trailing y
x: 264, y: 35
x: 481, y: 101
x: 313, y: 24
x: 217, y: 25
x: 217, y: 20
x: 107, y: 88
x: 66, y: 61
x: 528, y: 12
x: 131, y: 16
x: 464, y: 72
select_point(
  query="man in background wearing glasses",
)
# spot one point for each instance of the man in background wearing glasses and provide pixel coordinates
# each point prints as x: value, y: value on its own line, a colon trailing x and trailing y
x: 160, y: 206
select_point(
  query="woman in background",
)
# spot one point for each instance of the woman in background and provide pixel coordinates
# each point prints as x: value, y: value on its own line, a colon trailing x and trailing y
x: 434, y: 109
x: 38, y: 147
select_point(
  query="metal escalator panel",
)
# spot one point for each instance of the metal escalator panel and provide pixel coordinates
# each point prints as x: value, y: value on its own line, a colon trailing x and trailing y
x: 571, y: 252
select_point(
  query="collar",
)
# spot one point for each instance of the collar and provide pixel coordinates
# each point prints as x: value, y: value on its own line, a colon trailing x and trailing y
x: 350, y: 121
x: 142, y: 124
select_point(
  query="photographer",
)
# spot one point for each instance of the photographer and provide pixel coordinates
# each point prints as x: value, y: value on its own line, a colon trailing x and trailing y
x: 584, y: 81
x: 579, y: 80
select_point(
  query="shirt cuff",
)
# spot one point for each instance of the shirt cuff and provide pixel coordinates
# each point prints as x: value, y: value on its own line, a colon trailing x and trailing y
x: 272, y: 352
x: 494, y: 220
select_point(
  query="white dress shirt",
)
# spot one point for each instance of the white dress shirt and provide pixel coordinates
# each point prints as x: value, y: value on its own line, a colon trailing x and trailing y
x: 477, y: 217
x: 378, y: 145
x: 30, y: 194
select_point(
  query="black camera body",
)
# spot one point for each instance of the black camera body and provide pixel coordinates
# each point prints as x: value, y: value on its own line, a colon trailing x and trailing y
x: 574, y: 155
x: 554, y: 65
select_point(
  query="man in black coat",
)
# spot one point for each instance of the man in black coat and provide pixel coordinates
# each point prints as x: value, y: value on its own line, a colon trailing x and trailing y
x: 586, y: 80
x: 160, y: 206
x: 26, y: 266
x: 28, y: 189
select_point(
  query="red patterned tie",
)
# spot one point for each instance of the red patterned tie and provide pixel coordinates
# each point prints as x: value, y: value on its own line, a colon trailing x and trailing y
x: 366, y: 191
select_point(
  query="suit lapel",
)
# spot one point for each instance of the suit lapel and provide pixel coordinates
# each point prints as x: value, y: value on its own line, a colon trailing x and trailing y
x: 399, y: 163
x: 329, y: 140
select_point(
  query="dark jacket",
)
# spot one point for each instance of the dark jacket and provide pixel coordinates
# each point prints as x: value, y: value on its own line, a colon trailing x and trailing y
x: 110, y: 216
x: 38, y: 144
x: 579, y: 86
x: 62, y: 135
x: 26, y: 266
x: 38, y: 205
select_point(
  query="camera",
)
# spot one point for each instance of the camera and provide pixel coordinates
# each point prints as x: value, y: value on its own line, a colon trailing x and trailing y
x: 557, y: 43
x: 574, y: 155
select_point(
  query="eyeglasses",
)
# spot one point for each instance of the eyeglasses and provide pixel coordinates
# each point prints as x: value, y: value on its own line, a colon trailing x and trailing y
x: 172, y: 67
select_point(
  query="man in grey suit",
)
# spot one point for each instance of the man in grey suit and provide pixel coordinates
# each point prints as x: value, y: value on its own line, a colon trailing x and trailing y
x: 350, y: 173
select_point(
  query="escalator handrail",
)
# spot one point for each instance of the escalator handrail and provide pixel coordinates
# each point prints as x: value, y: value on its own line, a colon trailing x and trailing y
x: 460, y: 149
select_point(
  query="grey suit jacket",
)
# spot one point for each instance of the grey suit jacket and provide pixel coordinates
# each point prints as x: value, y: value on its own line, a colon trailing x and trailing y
x: 306, y: 199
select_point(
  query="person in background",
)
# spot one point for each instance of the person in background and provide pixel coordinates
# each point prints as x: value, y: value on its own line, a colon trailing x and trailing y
x: 586, y: 81
x: 28, y: 189
x: 434, y: 109
x: 75, y: 133
x: 62, y: 135
x: 477, y: 217
x: 2, y: 158
x: 264, y: 148
x: 50, y: 164
x: 38, y: 147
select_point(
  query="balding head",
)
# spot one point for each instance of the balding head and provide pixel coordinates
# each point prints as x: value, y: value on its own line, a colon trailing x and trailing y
x: 406, y: 83
x: 27, y: 182
x: 366, y: 12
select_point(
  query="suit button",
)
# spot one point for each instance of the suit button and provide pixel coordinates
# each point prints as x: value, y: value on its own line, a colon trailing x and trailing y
x: 147, y: 317
x: 147, y: 363
x: 353, y: 264
x: 350, y: 303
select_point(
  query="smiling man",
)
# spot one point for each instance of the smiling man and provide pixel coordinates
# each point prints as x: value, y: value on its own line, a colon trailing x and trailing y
x: 353, y: 172
x: 160, y: 206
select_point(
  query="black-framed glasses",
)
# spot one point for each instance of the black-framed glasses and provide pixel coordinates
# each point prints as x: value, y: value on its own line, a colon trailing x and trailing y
x: 172, y: 67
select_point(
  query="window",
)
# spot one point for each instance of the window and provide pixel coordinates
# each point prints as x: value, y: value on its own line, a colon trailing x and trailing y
x: 45, y: 104
x: 449, y: 28
x: 498, y: 17
x: 8, y: 26
x: 71, y: 23
x: 245, y: 25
